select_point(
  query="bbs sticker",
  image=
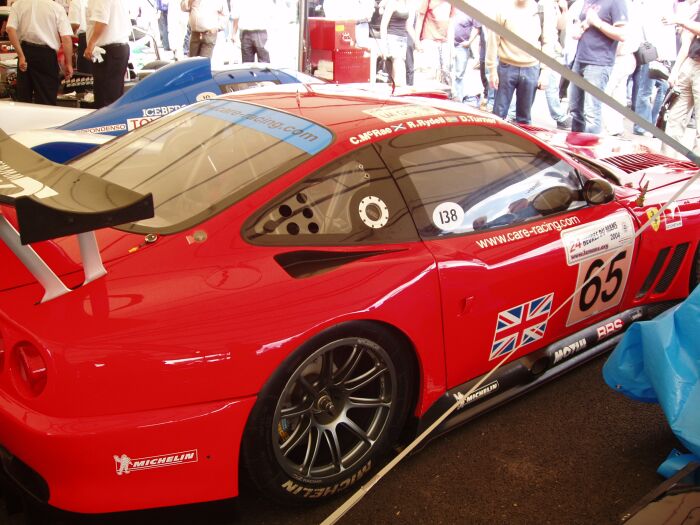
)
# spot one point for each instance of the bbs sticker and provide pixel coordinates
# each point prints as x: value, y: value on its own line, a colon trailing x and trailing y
x: 448, y: 216
x: 374, y: 212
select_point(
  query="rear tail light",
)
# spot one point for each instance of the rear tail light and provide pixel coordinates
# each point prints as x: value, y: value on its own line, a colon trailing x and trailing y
x: 29, y: 369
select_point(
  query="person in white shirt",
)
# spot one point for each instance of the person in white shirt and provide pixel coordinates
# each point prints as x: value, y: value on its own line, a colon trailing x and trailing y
x: 37, y: 29
x: 108, y: 27
x: 251, y: 17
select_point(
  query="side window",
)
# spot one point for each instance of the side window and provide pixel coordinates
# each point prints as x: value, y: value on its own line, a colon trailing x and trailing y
x: 353, y: 200
x: 458, y: 180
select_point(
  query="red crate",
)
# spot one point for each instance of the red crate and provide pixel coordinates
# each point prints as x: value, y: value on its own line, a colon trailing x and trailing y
x: 331, y: 34
x: 348, y: 65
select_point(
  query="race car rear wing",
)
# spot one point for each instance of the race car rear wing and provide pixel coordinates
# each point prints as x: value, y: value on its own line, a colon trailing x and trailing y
x: 52, y: 200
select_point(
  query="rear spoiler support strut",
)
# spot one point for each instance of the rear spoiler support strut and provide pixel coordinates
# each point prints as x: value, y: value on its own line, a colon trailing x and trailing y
x: 53, y: 286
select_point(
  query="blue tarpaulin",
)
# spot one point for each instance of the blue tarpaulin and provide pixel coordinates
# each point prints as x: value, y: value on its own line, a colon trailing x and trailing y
x: 659, y: 361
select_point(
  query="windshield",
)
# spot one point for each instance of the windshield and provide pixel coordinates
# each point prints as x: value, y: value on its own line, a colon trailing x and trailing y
x: 200, y: 160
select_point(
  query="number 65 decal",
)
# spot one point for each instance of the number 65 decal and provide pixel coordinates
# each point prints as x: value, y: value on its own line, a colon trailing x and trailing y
x: 603, y: 289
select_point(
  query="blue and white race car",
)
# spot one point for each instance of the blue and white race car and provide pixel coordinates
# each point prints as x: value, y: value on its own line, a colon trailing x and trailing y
x: 169, y: 88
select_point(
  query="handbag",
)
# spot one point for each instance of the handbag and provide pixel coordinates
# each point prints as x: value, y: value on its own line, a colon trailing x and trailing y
x: 646, y: 53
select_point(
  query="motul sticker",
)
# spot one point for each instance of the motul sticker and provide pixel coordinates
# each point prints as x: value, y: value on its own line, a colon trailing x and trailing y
x: 126, y: 465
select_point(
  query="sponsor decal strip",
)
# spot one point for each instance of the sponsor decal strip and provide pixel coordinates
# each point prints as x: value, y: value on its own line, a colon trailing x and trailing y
x: 106, y: 129
x: 298, y: 132
x: 526, y: 233
x: 417, y: 124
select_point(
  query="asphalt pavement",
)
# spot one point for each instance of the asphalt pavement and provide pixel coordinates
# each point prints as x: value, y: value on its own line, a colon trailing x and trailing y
x: 572, y: 452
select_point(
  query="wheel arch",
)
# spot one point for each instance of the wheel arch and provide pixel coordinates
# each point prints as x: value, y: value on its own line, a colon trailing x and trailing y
x: 359, y: 327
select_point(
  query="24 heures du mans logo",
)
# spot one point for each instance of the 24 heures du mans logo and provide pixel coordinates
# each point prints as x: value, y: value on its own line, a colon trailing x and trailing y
x: 125, y: 465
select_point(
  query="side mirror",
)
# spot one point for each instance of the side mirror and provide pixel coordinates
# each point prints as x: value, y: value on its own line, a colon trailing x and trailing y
x: 598, y: 191
x: 553, y: 200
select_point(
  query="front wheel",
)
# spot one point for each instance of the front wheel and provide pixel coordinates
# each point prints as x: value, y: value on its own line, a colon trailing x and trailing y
x: 328, y: 416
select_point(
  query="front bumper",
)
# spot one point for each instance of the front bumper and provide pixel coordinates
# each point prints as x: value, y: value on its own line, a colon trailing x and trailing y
x: 124, y: 462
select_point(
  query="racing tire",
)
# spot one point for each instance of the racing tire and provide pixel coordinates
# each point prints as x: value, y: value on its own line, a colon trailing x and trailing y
x: 329, y: 415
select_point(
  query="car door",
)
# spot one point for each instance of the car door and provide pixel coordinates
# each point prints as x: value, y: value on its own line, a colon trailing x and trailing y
x: 508, y: 271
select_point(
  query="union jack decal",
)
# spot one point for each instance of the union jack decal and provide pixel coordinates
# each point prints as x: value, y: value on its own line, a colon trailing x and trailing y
x: 521, y: 325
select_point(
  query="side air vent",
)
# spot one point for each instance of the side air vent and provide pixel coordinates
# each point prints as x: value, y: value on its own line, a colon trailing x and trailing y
x: 654, y: 272
x: 672, y: 268
x: 306, y: 263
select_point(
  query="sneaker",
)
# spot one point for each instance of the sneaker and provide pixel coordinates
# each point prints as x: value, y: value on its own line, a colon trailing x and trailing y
x: 565, y: 124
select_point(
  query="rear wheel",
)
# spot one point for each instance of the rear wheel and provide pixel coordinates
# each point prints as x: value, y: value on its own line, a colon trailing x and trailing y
x: 329, y: 415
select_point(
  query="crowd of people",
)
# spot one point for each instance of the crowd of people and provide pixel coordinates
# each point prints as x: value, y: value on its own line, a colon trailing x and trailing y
x: 41, y: 31
x: 634, y: 50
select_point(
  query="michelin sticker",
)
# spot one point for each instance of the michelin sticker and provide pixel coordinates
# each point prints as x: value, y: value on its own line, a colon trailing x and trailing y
x: 126, y: 465
x: 448, y: 216
x: 374, y: 212
x: 591, y: 240
x: 11, y: 179
x: 205, y: 96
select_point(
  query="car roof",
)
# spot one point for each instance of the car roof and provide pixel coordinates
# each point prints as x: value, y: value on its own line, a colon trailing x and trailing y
x: 351, y: 111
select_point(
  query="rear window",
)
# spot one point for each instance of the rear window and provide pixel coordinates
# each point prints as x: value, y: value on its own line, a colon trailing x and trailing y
x: 200, y: 160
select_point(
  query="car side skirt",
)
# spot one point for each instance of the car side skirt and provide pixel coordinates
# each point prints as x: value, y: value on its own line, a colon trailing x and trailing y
x: 528, y: 372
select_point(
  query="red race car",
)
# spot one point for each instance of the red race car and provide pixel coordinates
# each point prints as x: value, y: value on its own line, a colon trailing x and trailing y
x: 284, y: 285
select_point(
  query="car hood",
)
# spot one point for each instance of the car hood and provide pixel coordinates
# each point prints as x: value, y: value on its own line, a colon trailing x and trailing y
x: 634, y: 164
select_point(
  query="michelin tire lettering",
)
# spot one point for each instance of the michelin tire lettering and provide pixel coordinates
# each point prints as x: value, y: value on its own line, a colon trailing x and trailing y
x: 295, y: 488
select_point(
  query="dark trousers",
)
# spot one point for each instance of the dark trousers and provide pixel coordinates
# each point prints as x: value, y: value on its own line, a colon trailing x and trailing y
x: 108, y: 75
x: 253, y: 43
x: 84, y: 65
x: 41, y: 80
x: 410, y: 69
x: 163, y: 29
x: 202, y: 43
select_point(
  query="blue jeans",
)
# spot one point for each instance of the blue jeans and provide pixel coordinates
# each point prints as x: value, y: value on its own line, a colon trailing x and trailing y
x: 661, y: 90
x: 585, y: 108
x: 642, y: 87
x: 551, y: 92
x: 461, y: 60
x: 519, y: 80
